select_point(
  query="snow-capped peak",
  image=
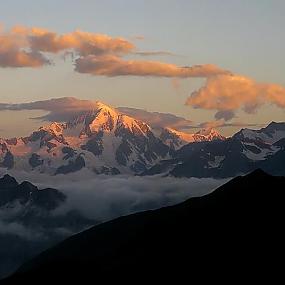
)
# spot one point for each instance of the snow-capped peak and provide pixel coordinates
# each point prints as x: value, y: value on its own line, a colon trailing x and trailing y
x: 102, y: 106
x: 54, y: 128
x: 269, y: 134
x: 186, y: 137
x: 210, y: 134
x: 103, y: 120
x: 206, y: 132
x: 107, y: 119
x: 133, y: 125
x: 175, y: 139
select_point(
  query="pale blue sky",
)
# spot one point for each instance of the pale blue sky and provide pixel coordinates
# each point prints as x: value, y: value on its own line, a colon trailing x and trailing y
x: 244, y: 36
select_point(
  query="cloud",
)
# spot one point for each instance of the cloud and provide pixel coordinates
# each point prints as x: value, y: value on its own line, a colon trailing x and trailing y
x: 13, y: 228
x: 229, y: 93
x: 155, y: 53
x: 59, y: 109
x: 102, y: 55
x: 138, y: 37
x: 100, y: 198
x: 13, y: 52
x: 223, y: 124
x: 83, y: 43
x: 67, y: 108
x: 212, y: 124
x: 106, y: 197
x: 110, y: 65
x: 95, y: 54
x: 117, y: 196
x: 27, y: 47
x: 22, y: 59
x: 158, y: 120
x: 226, y: 115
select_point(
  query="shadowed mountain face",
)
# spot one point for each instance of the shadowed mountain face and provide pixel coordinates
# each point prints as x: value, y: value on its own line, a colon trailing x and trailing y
x: 28, y: 194
x: 242, y: 153
x: 234, y: 227
x: 34, y: 207
x: 28, y: 223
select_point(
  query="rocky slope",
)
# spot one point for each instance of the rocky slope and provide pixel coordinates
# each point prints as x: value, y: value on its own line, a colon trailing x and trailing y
x: 245, y: 151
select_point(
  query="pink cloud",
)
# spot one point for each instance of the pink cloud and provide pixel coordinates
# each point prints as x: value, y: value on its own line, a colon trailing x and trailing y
x: 229, y: 93
x: 110, y: 65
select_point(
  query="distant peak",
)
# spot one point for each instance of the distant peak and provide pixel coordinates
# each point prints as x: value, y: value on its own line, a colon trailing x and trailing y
x: 207, y: 132
x: 170, y: 130
x: 8, y: 180
x: 258, y: 173
x: 274, y: 124
x: 25, y: 185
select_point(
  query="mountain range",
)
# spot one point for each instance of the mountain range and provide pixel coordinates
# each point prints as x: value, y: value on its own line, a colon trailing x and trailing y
x: 107, y: 141
x: 233, y: 231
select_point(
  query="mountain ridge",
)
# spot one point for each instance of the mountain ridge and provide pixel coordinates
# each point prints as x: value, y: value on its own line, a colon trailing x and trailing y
x: 244, y: 152
x: 239, y: 221
x: 103, y: 139
x: 29, y: 223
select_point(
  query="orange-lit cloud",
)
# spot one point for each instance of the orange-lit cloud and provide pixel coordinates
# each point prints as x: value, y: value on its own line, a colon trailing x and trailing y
x: 212, y: 124
x: 110, y: 65
x: 67, y: 108
x: 14, y: 51
x: 82, y: 42
x: 157, y: 119
x: 96, y: 54
x: 18, y: 58
x: 155, y: 53
x: 228, y: 93
x: 99, y: 54
x: 26, y: 47
x: 222, y: 124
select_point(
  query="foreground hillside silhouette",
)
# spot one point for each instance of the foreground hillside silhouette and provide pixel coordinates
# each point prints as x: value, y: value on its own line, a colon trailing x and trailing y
x: 236, y: 227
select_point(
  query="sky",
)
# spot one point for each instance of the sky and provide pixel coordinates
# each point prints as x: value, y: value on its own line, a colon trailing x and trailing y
x: 243, y: 41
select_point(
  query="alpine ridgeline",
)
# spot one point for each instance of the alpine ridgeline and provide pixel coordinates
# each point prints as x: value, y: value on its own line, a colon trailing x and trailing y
x: 103, y: 140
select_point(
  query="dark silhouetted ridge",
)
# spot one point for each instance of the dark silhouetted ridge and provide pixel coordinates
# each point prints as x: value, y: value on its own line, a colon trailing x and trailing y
x: 7, y: 181
x: 232, y: 230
